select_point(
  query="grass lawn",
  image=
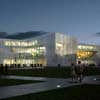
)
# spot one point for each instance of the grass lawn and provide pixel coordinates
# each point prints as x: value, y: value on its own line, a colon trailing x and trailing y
x: 10, y: 82
x: 52, y: 72
x: 81, y: 92
x: 48, y: 72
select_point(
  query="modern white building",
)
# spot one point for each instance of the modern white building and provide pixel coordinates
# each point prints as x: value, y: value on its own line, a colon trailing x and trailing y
x: 88, y: 54
x: 50, y: 49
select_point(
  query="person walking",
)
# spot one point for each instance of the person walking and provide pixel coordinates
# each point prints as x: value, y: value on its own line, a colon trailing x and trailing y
x: 6, y: 69
x: 79, y: 71
x: 73, y: 73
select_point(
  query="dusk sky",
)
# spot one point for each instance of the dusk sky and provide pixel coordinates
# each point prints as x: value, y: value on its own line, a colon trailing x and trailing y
x: 80, y: 18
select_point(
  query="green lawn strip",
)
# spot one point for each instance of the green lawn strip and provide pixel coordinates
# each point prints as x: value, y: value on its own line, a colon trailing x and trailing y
x: 52, y: 72
x: 80, y: 92
x: 10, y: 82
x: 48, y: 72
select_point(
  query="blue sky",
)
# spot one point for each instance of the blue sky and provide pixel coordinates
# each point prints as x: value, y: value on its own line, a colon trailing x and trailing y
x: 80, y: 18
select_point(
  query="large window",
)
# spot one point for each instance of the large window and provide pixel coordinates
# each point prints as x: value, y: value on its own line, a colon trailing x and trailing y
x: 85, y: 47
x: 59, y: 48
x: 35, y: 51
x: 20, y: 43
x: 85, y: 54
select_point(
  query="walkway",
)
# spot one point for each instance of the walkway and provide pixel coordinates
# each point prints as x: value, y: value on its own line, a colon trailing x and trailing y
x: 48, y: 84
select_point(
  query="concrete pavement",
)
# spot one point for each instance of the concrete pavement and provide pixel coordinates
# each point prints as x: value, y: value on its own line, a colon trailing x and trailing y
x: 48, y: 84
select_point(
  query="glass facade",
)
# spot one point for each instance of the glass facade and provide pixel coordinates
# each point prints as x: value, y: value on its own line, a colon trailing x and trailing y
x: 49, y: 50
x: 86, y: 53
x: 65, y: 49
x: 23, y: 52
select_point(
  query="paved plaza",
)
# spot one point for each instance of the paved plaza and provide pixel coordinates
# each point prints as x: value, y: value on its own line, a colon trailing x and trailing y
x: 47, y: 84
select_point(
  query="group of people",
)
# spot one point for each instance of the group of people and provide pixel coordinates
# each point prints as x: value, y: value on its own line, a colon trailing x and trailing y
x: 3, y: 69
x: 78, y: 71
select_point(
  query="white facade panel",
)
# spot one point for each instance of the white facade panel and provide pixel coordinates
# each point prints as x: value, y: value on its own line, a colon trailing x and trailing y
x: 49, y: 49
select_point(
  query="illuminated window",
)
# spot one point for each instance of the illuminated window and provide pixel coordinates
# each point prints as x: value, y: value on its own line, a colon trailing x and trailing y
x: 20, y: 43
x: 85, y: 54
x: 85, y: 47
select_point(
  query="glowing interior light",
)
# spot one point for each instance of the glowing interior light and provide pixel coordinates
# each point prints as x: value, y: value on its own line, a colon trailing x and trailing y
x: 59, y: 44
x: 85, y: 54
x: 85, y: 47
x: 20, y: 43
